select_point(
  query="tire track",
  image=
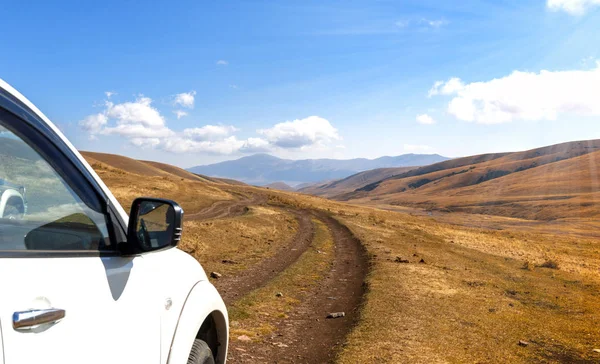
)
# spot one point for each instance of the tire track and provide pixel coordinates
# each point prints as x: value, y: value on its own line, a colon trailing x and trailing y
x: 306, y: 336
x: 225, y: 209
x: 312, y: 337
x: 234, y: 287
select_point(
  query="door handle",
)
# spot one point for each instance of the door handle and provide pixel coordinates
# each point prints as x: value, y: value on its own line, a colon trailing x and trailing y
x: 30, y: 319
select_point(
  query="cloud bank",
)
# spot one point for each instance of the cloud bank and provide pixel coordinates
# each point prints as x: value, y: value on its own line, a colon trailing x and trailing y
x: 573, y: 7
x: 143, y: 125
x: 543, y: 95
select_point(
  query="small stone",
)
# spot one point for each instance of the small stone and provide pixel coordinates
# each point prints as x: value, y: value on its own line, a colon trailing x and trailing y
x: 228, y: 261
x: 400, y: 260
x: 596, y: 350
x: 240, y: 349
x: 523, y: 343
x: 422, y: 261
x: 278, y: 294
x: 215, y: 275
x: 244, y: 338
x: 336, y: 315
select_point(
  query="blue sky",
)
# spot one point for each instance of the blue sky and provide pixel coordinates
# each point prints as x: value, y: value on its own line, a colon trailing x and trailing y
x: 308, y: 79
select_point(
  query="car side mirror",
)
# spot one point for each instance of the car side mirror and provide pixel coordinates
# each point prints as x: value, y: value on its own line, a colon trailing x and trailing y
x: 153, y: 224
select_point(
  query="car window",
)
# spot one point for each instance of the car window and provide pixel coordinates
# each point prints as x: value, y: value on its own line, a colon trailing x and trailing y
x: 38, y: 208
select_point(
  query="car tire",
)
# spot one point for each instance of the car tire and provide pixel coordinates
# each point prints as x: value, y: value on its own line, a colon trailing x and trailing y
x: 201, y: 353
x: 12, y: 212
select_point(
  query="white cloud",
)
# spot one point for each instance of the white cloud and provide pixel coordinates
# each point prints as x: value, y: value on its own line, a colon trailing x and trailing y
x: 145, y: 142
x: 109, y: 94
x: 255, y: 145
x: 299, y: 133
x: 185, y: 99
x: 222, y: 62
x: 425, y: 119
x: 525, y: 96
x: 94, y: 123
x: 417, y: 148
x: 180, y: 113
x: 429, y: 23
x: 449, y: 87
x: 137, y: 131
x: 434, y: 23
x: 209, y: 132
x: 573, y: 7
x: 144, y: 127
x: 179, y: 144
x: 138, y: 112
x: 234, y: 86
x: 136, y: 121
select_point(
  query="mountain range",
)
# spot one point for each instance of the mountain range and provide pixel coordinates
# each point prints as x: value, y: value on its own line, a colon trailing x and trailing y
x: 264, y: 169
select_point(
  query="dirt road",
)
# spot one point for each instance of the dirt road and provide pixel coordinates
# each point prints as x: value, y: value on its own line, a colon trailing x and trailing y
x: 227, y: 208
x: 305, y: 336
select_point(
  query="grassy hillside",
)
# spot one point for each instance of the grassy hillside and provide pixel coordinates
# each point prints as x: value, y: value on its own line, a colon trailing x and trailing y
x: 354, y: 182
x: 280, y: 186
x: 559, y: 181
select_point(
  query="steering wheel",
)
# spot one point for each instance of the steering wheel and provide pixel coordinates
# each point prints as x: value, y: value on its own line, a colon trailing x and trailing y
x: 143, y: 235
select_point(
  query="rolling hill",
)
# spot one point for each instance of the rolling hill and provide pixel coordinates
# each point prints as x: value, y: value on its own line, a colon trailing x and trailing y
x: 353, y: 182
x: 262, y: 169
x: 279, y: 186
x: 552, y: 182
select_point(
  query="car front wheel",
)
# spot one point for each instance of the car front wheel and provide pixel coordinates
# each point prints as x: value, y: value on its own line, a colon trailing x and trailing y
x: 201, y: 353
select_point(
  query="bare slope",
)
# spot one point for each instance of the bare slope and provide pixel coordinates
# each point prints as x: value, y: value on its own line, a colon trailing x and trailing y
x: 351, y: 183
x: 553, y: 182
x: 282, y: 186
x: 124, y: 163
x: 180, y: 172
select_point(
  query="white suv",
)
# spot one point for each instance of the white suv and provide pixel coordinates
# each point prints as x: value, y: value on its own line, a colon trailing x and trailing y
x: 81, y: 281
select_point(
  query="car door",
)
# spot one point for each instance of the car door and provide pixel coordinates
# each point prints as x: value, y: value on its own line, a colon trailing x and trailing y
x: 66, y: 294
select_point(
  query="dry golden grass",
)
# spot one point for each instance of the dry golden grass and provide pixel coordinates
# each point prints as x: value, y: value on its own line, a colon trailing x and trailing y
x: 243, y: 240
x: 126, y: 186
x: 472, y: 301
x: 351, y: 183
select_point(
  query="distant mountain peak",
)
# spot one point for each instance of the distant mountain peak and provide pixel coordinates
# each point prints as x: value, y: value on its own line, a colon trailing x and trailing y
x: 263, y: 169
